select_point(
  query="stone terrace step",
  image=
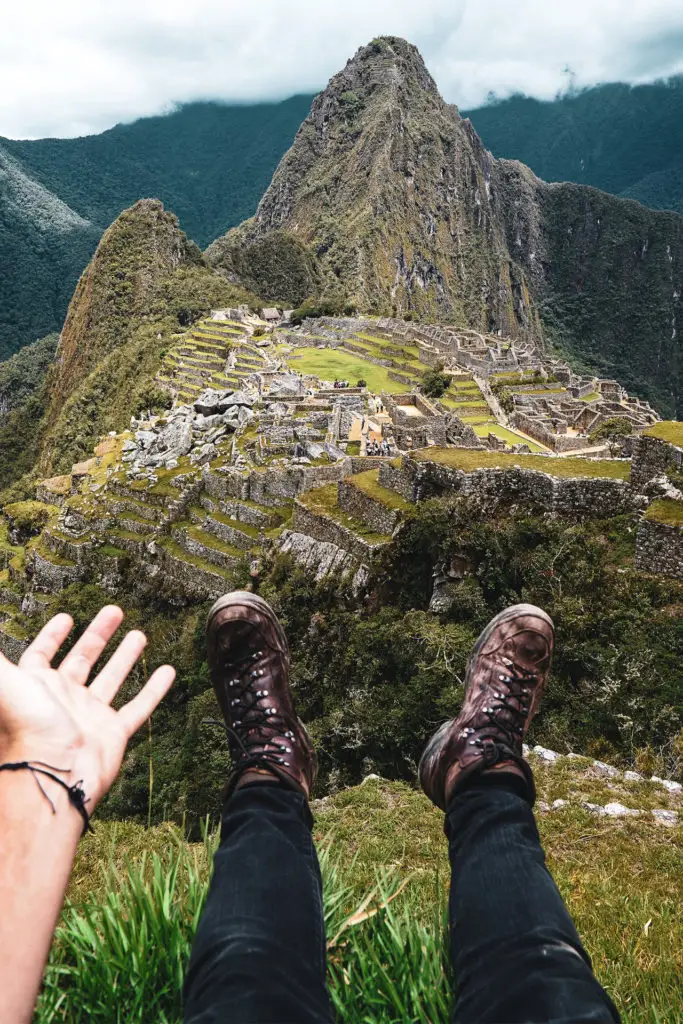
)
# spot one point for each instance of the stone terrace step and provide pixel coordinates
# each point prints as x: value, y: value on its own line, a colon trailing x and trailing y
x: 230, y: 531
x: 198, y: 578
x: 318, y: 514
x: 204, y: 545
x: 248, y: 512
x: 378, y: 507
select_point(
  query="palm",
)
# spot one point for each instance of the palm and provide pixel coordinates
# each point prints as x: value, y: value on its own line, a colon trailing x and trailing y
x: 46, y: 711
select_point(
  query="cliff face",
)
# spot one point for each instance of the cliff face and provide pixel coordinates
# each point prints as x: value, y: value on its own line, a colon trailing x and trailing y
x: 389, y: 190
x: 606, y: 275
x: 394, y: 203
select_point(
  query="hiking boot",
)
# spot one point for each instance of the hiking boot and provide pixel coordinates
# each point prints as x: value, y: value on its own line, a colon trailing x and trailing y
x: 505, y: 678
x: 249, y: 663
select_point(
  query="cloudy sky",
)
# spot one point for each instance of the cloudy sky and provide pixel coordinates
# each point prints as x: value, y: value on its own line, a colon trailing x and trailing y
x: 73, y: 67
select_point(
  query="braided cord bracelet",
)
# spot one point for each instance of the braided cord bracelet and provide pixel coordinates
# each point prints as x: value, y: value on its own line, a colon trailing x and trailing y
x: 77, y: 797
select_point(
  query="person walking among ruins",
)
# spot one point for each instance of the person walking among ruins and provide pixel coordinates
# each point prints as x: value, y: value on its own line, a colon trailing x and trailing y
x: 259, y: 952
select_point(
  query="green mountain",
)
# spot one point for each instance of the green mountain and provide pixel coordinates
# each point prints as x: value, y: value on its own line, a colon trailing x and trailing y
x: 624, y: 139
x: 208, y: 162
x: 389, y: 200
x: 384, y: 198
x: 44, y: 245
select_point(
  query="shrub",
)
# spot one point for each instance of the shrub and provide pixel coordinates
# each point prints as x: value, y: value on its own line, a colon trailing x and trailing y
x: 361, y: 383
x: 27, y: 518
x: 330, y: 306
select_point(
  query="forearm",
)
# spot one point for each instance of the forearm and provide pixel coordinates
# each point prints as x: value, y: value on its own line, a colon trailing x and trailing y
x: 37, y: 850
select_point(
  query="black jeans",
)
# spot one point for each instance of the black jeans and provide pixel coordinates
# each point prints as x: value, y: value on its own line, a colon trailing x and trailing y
x: 259, y: 953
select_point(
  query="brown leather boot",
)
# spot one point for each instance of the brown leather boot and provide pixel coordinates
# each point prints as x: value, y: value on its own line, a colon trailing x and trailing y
x: 249, y: 663
x: 505, y: 677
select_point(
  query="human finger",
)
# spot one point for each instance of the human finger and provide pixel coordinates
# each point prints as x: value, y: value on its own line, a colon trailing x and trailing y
x: 78, y: 663
x: 40, y: 653
x: 106, y: 683
x: 138, y: 710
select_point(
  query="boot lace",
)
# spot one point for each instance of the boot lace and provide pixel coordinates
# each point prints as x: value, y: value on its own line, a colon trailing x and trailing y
x: 514, y: 696
x: 259, y: 734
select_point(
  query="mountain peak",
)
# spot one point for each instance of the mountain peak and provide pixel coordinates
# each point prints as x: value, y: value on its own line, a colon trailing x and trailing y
x: 387, y: 63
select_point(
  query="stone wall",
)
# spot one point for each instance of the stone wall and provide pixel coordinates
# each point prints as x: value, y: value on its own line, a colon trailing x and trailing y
x: 397, y: 478
x: 51, y: 577
x: 534, y: 490
x: 376, y: 516
x: 321, y: 527
x: 652, y: 457
x: 539, y: 432
x: 274, y: 486
x: 322, y: 557
x: 659, y: 548
x: 11, y: 646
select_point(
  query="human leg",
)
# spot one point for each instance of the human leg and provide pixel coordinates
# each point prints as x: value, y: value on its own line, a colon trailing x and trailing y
x: 516, y: 954
x: 259, y: 952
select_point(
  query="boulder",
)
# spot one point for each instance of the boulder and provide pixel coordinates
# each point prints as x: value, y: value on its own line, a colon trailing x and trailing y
x: 202, y: 455
x: 210, y: 402
x: 145, y: 438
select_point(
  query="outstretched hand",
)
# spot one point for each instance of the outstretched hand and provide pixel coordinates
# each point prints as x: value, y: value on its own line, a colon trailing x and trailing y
x: 50, y: 714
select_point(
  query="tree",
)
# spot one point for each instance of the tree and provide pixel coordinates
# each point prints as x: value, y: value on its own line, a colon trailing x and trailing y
x: 434, y: 381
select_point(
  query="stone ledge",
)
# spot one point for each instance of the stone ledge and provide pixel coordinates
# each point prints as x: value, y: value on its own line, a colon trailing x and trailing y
x: 377, y: 517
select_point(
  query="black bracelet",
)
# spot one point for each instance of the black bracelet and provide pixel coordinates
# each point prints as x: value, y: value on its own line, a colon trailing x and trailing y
x: 77, y: 797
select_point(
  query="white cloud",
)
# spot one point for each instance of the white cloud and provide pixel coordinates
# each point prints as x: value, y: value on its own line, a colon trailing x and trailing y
x: 79, y: 66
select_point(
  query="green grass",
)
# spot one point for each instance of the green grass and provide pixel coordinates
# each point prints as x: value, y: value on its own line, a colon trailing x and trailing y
x: 666, y: 510
x: 137, y: 894
x: 461, y: 458
x: 509, y: 436
x: 667, y: 430
x: 14, y: 629
x: 329, y: 364
x: 368, y: 483
x: 590, y: 397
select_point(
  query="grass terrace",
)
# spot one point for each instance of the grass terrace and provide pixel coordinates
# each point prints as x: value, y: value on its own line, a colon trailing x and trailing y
x: 469, y: 461
x: 368, y: 483
x: 666, y: 511
x: 509, y: 436
x: 328, y: 364
x: 667, y: 430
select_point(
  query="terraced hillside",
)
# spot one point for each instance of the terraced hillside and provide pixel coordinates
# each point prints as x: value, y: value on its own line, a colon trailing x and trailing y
x: 217, y: 354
